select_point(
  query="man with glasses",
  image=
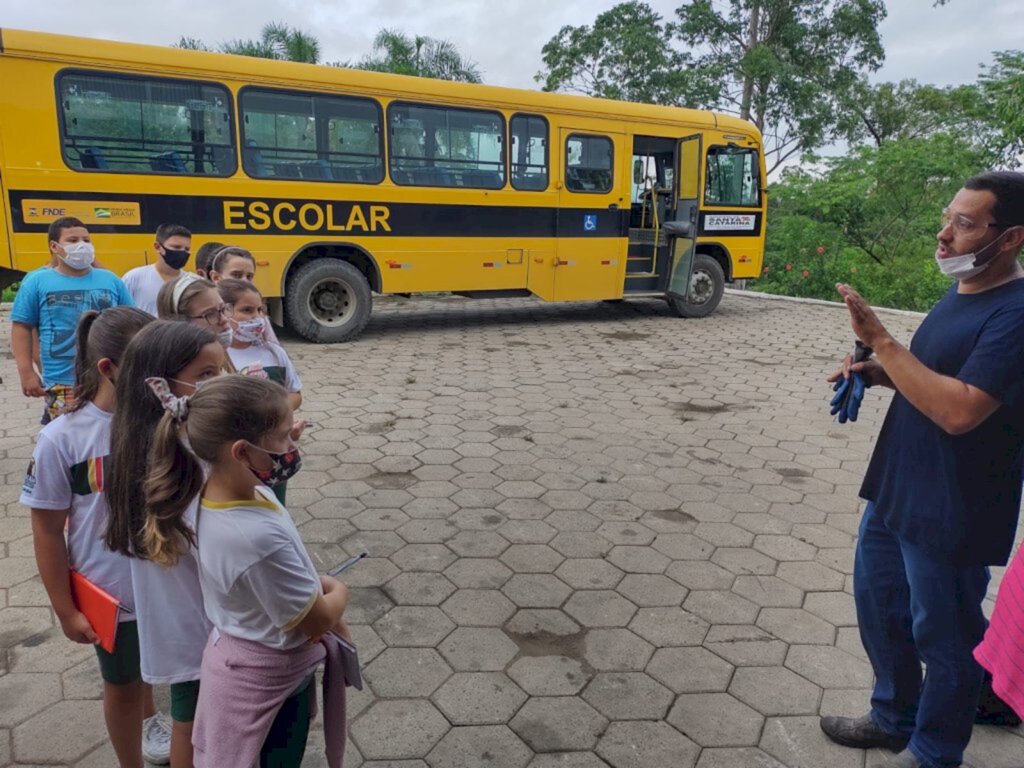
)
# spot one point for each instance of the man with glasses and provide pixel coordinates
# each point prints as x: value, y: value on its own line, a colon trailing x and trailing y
x: 943, y: 487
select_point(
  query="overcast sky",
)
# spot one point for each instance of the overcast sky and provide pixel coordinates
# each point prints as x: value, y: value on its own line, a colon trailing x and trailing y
x: 936, y: 45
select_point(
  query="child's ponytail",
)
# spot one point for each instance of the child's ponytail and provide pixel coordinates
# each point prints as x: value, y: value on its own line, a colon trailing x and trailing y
x: 175, y: 478
x: 102, y: 334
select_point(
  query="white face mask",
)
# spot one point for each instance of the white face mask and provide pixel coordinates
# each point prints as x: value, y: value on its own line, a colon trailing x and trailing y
x: 225, y: 337
x: 250, y: 331
x: 966, y: 266
x: 79, y: 255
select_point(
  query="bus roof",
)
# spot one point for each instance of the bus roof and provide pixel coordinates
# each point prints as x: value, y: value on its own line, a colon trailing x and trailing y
x: 82, y: 51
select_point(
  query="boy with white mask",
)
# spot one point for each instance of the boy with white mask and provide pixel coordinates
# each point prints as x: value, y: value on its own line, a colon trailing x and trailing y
x: 52, y: 301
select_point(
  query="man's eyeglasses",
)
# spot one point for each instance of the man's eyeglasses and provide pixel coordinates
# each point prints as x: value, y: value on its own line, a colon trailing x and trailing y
x: 964, y: 226
x: 215, y: 315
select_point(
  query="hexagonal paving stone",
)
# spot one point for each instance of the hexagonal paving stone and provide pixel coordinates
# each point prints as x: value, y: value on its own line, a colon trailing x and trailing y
x: 785, y: 548
x: 651, y: 590
x: 419, y: 589
x: 683, y: 546
x: 473, y: 746
x: 407, y: 672
x: 698, y: 574
x: 79, y: 723
x: 690, y: 670
x: 626, y: 533
x: 829, y: 667
x: 666, y: 627
x: 549, y: 675
x: 527, y: 531
x: 478, y: 649
x: 536, y: 590
x: 811, y: 576
x: 716, y: 720
x: 836, y: 608
x: 732, y: 757
x: 23, y: 695
x: 479, y: 698
x: 567, y: 760
x: 646, y: 745
x: 768, y: 591
x: 600, y: 608
x: 366, y: 605
x: 531, y: 558
x: 795, y: 625
x: 478, y: 544
x: 478, y: 573
x: 775, y: 691
x: 616, y: 650
x: 479, y: 608
x: 628, y: 696
x: 414, y: 627
x: 721, y: 607
x: 398, y: 729
x: 532, y: 622
x: 638, y: 559
x: 558, y: 724
x: 798, y: 742
x: 423, y: 557
x: 589, y: 573
x: 742, y: 560
x: 745, y: 645
x: 580, y: 544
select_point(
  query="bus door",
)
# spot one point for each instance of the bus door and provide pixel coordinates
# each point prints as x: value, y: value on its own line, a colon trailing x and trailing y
x: 682, y: 231
x: 6, y: 238
x: 590, y: 256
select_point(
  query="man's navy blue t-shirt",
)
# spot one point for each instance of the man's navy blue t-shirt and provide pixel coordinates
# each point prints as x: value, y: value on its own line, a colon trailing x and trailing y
x: 959, y: 496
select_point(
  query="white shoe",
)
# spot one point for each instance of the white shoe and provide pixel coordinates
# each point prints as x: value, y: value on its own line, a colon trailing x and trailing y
x: 156, y: 739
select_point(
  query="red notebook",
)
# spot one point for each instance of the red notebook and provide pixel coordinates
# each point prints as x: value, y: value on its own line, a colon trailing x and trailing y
x: 100, y: 608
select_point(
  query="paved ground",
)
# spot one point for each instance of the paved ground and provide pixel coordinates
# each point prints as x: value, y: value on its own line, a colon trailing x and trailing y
x: 598, y: 536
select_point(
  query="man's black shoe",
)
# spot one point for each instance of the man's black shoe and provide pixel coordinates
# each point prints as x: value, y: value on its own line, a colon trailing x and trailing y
x: 992, y: 710
x: 860, y: 732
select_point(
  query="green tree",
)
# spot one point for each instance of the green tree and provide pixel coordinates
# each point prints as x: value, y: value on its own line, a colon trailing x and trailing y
x: 789, y: 66
x: 277, y: 40
x: 419, y: 56
x: 626, y: 54
x: 1002, y: 85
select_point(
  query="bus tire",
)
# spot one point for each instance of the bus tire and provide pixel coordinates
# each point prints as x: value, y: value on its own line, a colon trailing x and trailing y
x: 328, y: 301
x: 707, y: 285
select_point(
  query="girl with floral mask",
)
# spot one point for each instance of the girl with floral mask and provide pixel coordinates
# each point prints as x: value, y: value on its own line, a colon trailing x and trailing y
x: 272, y: 612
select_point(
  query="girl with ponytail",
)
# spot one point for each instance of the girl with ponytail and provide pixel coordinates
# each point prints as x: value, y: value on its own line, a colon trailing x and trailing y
x: 173, y: 627
x: 273, y: 614
x: 66, y: 485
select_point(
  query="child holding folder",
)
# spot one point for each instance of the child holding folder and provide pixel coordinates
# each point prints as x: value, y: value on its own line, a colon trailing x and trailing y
x: 64, y: 486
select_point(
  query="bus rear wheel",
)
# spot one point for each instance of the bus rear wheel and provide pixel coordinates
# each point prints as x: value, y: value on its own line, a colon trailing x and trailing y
x: 707, y: 284
x: 328, y: 301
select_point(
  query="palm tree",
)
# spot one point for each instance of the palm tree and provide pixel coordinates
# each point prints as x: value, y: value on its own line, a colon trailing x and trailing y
x: 395, y: 51
x: 277, y: 40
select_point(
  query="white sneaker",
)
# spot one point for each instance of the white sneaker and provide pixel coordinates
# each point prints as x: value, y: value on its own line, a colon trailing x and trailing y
x: 156, y: 739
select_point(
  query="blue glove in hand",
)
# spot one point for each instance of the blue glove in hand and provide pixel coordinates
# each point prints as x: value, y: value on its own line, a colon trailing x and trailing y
x: 845, y: 405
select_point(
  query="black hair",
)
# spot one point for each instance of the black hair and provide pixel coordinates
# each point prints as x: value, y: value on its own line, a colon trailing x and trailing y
x: 167, y: 231
x: 57, y: 226
x: 204, y: 257
x: 1008, y: 187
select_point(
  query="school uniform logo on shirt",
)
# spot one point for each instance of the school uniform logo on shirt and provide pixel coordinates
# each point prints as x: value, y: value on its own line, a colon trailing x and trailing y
x: 87, y: 476
x: 29, y: 483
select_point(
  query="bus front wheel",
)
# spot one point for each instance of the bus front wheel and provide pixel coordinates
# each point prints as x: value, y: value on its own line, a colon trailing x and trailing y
x: 707, y: 284
x: 328, y: 301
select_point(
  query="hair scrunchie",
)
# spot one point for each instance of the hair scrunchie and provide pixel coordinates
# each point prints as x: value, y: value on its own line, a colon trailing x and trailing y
x: 174, y: 405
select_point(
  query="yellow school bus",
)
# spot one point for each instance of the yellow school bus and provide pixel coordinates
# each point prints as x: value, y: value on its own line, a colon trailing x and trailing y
x: 346, y: 183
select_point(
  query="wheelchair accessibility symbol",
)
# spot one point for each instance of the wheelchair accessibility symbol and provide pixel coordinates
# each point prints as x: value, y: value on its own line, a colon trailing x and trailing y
x: 590, y: 222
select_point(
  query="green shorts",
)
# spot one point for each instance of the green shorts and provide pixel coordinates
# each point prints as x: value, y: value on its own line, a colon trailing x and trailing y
x: 184, y: 697
x: 122, y: 666
x: 285, y: 745
x: 280, y: 490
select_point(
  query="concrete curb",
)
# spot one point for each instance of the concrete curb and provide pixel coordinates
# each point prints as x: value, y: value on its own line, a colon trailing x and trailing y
x: 819, y: 302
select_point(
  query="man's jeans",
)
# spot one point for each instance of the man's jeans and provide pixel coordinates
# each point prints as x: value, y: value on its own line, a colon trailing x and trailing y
x: 914, y: 608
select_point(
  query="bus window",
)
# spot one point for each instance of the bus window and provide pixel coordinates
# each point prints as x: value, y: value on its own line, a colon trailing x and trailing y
x: 529, y: 152
x: 127, y: 124
x: 733, y: 177
x: 446, y: 147
x: 311, y: 137
x: 588, y: 164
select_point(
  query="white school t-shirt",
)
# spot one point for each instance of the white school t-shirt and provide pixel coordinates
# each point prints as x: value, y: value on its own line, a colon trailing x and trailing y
x: 258, y: 580
x: 67, y: 473
x: 267, y: 359
x: 144, y: 283
x: 173, y: 627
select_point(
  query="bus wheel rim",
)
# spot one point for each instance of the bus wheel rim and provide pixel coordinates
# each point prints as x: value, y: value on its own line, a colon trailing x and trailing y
x: 332, y: 302
x: 702, y: 287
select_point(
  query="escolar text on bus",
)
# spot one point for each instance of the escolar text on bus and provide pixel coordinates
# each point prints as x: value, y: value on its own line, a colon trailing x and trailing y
x: 260, y: 215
